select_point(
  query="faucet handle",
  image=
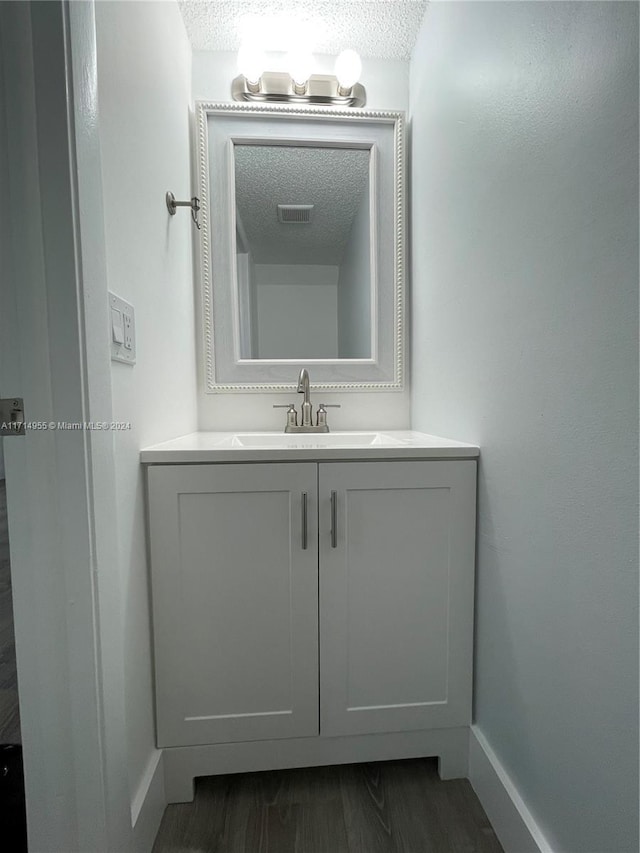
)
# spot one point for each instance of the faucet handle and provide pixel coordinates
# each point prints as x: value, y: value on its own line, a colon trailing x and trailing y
x: 292, y: 415
x: 321, y: 414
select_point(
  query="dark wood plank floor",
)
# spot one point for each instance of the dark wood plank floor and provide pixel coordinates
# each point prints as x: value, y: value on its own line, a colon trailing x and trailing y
x: 388, y: 807
x: 9, y: 714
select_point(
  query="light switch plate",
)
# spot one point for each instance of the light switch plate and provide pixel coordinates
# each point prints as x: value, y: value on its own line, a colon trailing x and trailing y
x: 122, y: 330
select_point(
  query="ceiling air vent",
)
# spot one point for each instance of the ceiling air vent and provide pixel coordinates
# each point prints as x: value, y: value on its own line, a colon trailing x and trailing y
x: 295, y: 214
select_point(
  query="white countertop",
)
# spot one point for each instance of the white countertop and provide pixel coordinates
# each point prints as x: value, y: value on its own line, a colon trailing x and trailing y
x: 198, y: 447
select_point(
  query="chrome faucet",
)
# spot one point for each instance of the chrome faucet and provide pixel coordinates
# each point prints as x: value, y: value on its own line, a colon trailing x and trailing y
x: 307, y: 424
x: 303, y: 388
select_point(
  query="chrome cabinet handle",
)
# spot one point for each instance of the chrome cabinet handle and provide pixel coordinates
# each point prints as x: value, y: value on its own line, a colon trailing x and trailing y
x: 304, y: 521
x: 334, y: 519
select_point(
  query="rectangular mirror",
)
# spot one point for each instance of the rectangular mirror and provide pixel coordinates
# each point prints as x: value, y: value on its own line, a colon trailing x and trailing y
x: 301, y: 264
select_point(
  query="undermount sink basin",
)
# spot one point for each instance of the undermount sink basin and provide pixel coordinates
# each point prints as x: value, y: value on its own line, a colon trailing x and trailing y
x: 330, y: 439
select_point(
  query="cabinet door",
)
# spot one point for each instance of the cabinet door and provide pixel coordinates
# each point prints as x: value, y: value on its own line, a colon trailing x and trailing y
x: 235, y: 601
x: 396, y: 595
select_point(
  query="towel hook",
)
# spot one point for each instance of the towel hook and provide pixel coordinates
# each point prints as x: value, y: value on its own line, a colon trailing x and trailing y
x: 173, y: 205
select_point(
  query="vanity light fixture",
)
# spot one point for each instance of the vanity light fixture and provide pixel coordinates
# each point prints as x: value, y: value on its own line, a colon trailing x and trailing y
x: 297, y: 85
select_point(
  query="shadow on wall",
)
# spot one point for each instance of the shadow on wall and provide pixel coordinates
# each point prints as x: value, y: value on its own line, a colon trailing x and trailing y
x: 493, y: 561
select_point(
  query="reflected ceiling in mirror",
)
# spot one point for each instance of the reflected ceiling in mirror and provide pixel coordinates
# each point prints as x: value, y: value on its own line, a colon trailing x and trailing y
x: 303, y: 246
x: 332, y: 180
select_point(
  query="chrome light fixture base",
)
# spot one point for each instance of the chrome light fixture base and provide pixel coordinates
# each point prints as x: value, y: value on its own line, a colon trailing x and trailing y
x: 278, y: 87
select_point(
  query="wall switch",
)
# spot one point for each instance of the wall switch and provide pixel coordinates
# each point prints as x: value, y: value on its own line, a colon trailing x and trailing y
x: 117, y: 326
x: 123, y: 330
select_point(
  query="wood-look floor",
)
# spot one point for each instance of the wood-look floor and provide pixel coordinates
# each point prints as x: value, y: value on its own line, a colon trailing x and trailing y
x: 9, y: 714
x: 387, y: 807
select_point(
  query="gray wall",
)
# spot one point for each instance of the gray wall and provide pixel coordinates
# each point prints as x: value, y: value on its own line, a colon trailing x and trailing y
x: 354, y: 287
x: 525, y: 282
x: 297, y: 310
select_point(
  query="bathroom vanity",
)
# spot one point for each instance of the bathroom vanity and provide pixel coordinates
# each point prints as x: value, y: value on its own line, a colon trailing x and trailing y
x: 312, y: 600
x: 312, y: 590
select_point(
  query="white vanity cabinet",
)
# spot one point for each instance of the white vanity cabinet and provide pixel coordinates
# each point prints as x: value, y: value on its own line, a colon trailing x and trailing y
x: 396, y: 595
x: 311, y: 612
x: 235, y: 602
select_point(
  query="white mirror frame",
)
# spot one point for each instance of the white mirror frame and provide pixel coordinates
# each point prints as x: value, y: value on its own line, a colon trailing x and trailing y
x: 224, y: 371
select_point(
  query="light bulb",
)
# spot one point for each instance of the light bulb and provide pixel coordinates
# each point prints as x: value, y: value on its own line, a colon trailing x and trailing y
x: 300, y: 66
x: 348, y: 70
x: 251, y: 62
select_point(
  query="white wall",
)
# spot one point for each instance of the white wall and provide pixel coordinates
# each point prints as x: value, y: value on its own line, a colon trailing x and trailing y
x: 387, y: 84
x: 525, y: 278
x: 144, y: 83
x: 297, y: 310
x: 354, y: 287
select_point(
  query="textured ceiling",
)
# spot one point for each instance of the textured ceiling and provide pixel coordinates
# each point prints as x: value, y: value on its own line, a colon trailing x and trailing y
x: 384, y: 29
x: 332, y: 179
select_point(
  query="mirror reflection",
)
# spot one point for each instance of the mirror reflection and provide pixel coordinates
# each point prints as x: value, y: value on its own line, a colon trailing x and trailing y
x: 303, y: 251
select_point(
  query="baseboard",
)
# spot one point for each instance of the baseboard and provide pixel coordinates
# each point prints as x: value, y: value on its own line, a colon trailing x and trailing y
x: 148, y: 805
x: 511, y: 819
